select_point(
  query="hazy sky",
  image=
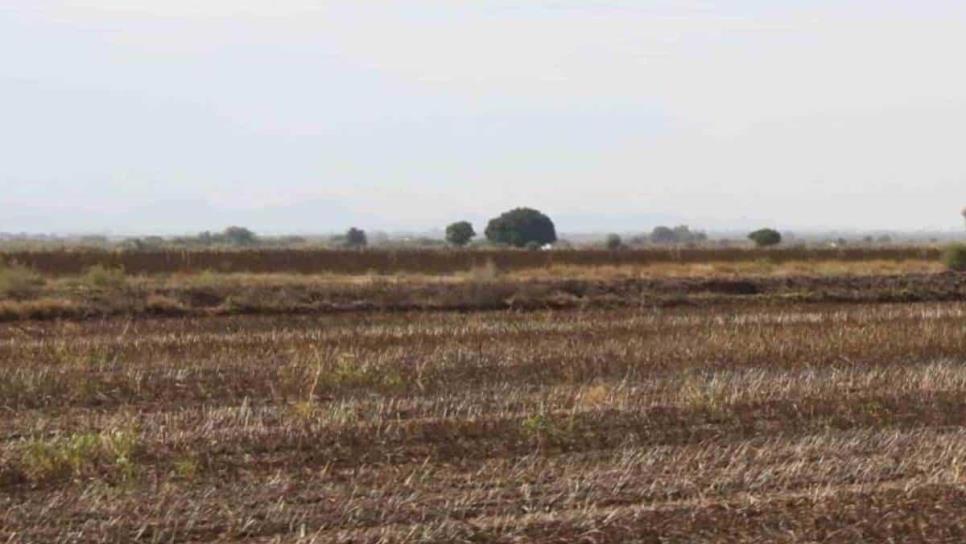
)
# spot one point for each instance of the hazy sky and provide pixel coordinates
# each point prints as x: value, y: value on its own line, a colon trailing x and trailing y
x: 307, y: 115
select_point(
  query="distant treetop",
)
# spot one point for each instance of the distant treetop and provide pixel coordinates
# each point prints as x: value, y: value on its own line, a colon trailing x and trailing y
x: 766, y: 237
x: 239, y: 236
x: 521, y: 227
x: 460, y: 233
x: 681, y: 234
x: 356, y: 238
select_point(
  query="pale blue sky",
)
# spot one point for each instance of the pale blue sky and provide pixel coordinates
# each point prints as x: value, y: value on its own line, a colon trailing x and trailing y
x: 298, y: 115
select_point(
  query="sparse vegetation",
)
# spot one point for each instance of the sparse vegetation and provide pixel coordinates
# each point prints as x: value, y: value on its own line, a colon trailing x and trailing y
x: 109, y: 453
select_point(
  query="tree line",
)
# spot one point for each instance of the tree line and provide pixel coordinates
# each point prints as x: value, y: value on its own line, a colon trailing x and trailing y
x: 530, y: 228
x: 520, y: 227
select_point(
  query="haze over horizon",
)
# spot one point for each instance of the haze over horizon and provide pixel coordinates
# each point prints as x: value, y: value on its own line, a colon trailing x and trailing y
x: 137, y: 116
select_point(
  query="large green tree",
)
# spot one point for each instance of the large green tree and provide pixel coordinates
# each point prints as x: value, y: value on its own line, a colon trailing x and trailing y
x: 521, y: 227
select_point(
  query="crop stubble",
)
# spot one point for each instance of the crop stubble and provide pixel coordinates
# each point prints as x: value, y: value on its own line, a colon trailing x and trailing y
x: 787, y: 422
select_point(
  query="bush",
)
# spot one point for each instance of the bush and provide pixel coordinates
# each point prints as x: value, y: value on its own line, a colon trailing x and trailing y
x: 663, y: 235
x: 614, y: 242
x: 356, y: 238
x: 765, y: 237
x: 104, y: 277
x: 460, y: 233
x: 521, y: 227
x: 239, y: 236
x: 19, y: 282
x: 955, y: 258
x: 681, y: 234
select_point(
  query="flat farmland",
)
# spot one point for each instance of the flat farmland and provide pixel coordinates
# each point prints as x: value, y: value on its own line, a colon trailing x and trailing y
x: 756, y: 416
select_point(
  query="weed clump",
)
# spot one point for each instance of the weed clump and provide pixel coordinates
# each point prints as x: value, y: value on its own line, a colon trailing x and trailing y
x: 163, y: 305
x: 955, y: 258
x: 103, y: 277
x: 19, y: 282
x: 80, y: 455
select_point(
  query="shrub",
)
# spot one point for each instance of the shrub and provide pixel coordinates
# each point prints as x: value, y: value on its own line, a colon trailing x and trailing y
x: 614, y: 242
x: 239, y: 236
x: 19, y: 282
x: 521, y: 227
x: 663, y: 235
x: 460, y: 233
x: 681, y: 234
x: 103, y: 277
x: 955, y: 258
x: 356, y: 238
x: 765, y: 237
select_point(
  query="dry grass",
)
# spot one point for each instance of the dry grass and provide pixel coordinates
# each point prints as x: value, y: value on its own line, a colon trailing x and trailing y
x: 106, y: 292
x: 427, y: 261
x: 758, y: 421
x: 758, y: 268
x: 19, y: 282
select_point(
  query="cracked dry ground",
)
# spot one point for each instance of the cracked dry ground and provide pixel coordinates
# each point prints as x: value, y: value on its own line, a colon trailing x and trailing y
x: 771, y: 423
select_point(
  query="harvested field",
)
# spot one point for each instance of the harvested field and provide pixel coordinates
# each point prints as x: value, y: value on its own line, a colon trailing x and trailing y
x: 759, y: 417
x: 111, y: 293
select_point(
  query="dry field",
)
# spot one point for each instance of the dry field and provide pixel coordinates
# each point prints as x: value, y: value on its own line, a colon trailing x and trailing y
x: 105, y: 292
x: 430, y: 261
x: 669, y: 408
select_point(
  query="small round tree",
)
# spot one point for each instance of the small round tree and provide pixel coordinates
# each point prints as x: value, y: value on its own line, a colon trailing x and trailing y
x: 765, y: 237
x: 460, y: 233
x: 356, y: 238
x: 520, y: 227
x: 239, y: 236
x: 614, y: 242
